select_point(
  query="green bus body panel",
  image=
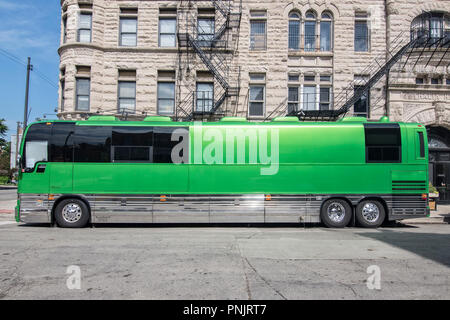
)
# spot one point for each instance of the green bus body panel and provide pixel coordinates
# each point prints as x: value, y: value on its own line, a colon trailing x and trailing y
x: 130, y: 178
x: 314, y: 158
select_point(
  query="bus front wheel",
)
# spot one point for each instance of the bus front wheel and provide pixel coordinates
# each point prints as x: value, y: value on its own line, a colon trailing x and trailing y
x: 72, y: 213
x: 370, y: 213
x: 336, y: 213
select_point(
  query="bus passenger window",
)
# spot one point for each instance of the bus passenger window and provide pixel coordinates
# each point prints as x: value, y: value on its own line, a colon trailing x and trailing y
x: 36, y: 145
x: 421, y: 145
x: 92, y: 144
x: 37, y: 151
x: 163, y: 144
x: 132, y: 144
x: 61, y: 147
x: 383, y: 143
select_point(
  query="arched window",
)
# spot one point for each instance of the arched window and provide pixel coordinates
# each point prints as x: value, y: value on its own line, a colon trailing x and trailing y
x: 430, y: 28
x: 326, y: 32
x: 294, y: 31
x: 310, y: 31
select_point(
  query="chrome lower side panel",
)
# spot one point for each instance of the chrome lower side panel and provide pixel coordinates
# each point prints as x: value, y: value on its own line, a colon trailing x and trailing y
x: 250, y: 208
x: 34, y: 208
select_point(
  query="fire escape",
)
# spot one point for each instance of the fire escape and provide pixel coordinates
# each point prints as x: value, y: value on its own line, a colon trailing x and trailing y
x: 424, y: 44
x: 215, y: 47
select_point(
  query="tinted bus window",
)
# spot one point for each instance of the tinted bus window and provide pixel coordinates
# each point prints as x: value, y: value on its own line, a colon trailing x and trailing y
x: 383, y: 143
x: 163, y: 144
x: 132, y: 144
x: 36, y: 148
x: 92, y: 144
x: 421, y: 145
x: 61, y: 147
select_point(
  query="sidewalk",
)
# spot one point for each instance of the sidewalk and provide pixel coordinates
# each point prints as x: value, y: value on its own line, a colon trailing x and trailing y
x: 442, y: 215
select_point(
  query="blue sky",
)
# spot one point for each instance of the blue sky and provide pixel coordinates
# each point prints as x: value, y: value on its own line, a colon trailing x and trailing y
x: 29, y: 28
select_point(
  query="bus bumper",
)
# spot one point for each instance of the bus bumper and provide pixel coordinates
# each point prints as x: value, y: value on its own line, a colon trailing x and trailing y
x: 33, y: 208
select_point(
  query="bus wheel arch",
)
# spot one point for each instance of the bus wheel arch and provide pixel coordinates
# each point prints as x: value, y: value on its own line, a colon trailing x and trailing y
x: 371, y: 212
x: 336, y: 212
x: 76, y: 198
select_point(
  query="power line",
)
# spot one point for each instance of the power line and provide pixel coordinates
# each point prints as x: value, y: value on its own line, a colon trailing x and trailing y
x: 37, y: 72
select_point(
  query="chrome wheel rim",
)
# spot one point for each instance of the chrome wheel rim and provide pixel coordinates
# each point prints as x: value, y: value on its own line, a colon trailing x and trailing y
x: 336, y: 212
x: 370, y: 212
x: 72, y: 213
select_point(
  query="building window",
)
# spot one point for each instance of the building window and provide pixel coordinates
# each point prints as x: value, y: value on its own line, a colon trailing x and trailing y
x: 167, y: 32
x: 256, y: 101
x: 205, y: 30
x: 325, y: 32
x: 128, y: 32
x: 420, y: 80
x: 436, y: 80
x: 361, y: 107
x: 309, y: 98
x: 205, y: 96
x: 324, y: 78
x: 310, y: 78
x: 361, y: 33
x: 64, y: 22
x: 294, y: 77
x: 448, y: 81
x: 63, y: 89
x: 85, y: 27
x: 310, y: 32
x: 257, y: 94
x: 166, y: 98
x: 325, y: 98
x: 294, y: 31
x: 127, y: 96
x: 83, y: 94
x: 258, y: 35
x: 293, y: 99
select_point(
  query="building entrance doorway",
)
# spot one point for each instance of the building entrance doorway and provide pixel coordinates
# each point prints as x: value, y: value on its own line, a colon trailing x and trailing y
x: 439, y: 158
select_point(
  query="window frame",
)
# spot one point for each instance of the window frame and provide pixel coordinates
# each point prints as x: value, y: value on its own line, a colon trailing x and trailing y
x: 295, y: 17
x: 326, y: 17
x: 121, y: 33
x: 255, y: 85
x: 162, y: 34
x: 79, y: 29
x: 306, y: 102
x: 312, y: 19
x: 295, y: 103
x: 197, y: 99
x: 160, y: 82
x: 77, y: 95
x: 360, y: 19
x: 119, y: 98
x: 207, y: 38
x: 260, y: 19
x: 328, y: 102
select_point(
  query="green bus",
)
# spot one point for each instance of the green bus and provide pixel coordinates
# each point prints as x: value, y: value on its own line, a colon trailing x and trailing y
x: 103, y: 170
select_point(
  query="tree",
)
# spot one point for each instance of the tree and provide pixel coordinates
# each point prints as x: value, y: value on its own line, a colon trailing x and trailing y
x: 5, y: 150
x: 3, y: 130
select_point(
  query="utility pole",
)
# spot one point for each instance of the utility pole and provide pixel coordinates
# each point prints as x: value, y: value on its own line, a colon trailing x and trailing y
x: 17, y: 143
x: 25, y: 115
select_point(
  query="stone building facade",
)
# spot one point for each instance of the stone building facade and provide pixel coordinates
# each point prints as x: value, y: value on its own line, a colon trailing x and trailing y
x: 256, y: 59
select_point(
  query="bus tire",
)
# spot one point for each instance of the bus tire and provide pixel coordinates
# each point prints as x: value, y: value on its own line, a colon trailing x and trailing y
x: 370, y: 213
x: 336, y: 213
x: 72, y: 213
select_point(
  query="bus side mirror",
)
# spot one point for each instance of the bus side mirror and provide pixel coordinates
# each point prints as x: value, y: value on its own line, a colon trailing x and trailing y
x: 19, y: 162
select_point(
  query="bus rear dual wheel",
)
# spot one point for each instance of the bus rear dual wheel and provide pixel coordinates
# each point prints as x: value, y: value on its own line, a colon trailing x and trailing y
x: 337, y: 213
x: 72, y: 213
